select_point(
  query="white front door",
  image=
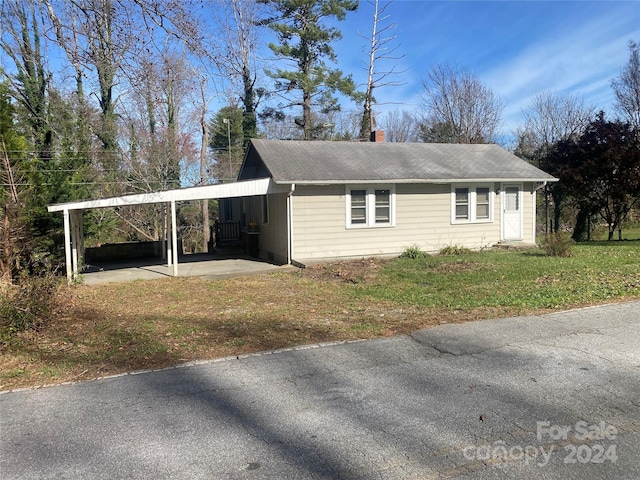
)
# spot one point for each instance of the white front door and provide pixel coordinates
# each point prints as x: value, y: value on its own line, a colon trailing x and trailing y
x: 512, y: 212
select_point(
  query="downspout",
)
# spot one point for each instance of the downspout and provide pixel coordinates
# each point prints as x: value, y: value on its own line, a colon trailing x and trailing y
x: 290, y: 224
x: 541, y: 185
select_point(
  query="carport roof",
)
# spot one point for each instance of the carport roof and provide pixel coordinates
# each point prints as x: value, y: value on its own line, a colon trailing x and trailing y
x: 247, y: 188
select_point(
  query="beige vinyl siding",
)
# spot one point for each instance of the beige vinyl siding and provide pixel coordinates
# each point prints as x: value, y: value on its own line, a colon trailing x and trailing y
x: 319, y: 215
x: 273, y: 245
x: 424, y: 215
x: 423, y: 218
x: 528, y: 213
x: 273, y: 235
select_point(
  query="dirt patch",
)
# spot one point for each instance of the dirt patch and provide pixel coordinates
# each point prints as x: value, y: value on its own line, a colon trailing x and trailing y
x: 346, y: 271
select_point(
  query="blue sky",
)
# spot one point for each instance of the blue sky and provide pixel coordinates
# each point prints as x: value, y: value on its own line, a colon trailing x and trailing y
x: 517, y: 48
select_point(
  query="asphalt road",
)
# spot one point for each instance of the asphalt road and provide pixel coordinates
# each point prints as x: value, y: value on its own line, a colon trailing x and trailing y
x: 554, y: 396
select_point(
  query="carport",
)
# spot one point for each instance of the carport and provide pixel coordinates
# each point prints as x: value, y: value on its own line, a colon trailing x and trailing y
x: 73, y: 214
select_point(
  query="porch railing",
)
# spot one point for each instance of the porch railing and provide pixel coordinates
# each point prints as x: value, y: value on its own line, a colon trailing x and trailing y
x: 227, y: 231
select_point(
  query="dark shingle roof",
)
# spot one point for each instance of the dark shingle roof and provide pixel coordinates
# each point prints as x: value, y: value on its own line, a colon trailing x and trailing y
x: 288, y: 161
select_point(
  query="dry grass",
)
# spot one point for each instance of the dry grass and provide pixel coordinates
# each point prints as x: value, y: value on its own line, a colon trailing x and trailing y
x: 114, y: 328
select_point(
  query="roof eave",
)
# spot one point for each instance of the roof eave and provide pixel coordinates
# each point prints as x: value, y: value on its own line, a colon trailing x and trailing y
x: 261, y: 186
x: 415, y: 180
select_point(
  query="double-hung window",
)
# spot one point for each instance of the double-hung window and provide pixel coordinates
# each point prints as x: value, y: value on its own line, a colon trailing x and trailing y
x: 383, y: 206
x: 472, y: 204
x: 483, y: 203
x: 462, y: 204
x: 359, y: 207
x: 370, y: 206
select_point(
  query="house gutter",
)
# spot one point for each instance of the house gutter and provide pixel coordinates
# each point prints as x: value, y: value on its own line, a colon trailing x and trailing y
x: 438, y: 181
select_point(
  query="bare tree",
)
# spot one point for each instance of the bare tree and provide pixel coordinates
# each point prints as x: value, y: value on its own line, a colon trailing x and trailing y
x: 12, y: 229
x: 549, y: 118
x: 341, y: 125
x: 21, y: 42
x: 204, y: 145
x: 96, y: 35
x: 275, y: 128
x: 104, y: 37
x: 380, y: 49
x: 399, y: 126
x: 458, y: 107
x: 159, y: 137
x: 162, y: 96
x: 627, y: 87
x: 237, y: 59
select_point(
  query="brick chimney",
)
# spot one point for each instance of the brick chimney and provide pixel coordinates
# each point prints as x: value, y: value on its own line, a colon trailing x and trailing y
x: 377, y: 136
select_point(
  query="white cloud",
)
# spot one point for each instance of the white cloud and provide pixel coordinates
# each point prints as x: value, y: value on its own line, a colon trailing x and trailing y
x: 581, y: 61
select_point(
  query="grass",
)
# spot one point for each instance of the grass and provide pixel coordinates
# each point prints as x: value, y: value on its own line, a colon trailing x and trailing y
x: 522, y: 281
x: 114, y: 328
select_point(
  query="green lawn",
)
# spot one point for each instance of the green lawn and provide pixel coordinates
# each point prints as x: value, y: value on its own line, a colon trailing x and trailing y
x: 628, y: 233
x: 525, y: 279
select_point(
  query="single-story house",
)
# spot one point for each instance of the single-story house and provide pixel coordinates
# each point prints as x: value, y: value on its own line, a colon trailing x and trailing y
x: 355, y: 199
x: 301, y: 201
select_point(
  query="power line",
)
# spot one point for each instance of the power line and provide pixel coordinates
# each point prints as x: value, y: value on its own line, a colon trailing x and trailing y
x: 75, y: 183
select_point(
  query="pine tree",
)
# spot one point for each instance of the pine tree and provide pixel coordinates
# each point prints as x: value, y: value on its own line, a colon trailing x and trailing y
x: 306, y: 42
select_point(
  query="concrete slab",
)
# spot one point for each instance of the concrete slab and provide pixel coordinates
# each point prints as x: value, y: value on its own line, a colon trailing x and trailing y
x: 197, y: 265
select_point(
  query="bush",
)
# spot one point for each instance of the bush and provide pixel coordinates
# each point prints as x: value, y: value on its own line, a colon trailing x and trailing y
x: 414, y: 253
x: 26, y: 305
x: 557, y: 245
x: 454, y: 250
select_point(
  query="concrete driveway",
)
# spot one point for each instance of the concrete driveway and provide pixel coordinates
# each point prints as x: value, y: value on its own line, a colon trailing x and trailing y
x: 554, y: 396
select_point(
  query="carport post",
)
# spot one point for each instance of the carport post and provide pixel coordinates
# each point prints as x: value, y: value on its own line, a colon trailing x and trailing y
x: 174, y: 238
x: 67, y: 245
x: 167, y: 238
x: 77, y: 240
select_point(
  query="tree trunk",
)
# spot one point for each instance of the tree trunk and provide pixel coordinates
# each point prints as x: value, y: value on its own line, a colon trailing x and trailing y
x: 249, y: 121
x: 203, y: 178
x: 307, y: 127
x: 556, y: 196
x: 580, y: 231
x: 5, y: 253
x: 366, y: 126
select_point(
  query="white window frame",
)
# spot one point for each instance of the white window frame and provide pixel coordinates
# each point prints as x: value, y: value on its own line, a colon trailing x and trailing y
x: 370, y: 206
x: 473, y: 203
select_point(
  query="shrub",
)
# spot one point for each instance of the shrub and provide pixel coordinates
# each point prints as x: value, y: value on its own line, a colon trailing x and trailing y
x: 454, y: 250
x: 557, y: 245
x: 26, y: 305
x: 413, y: 252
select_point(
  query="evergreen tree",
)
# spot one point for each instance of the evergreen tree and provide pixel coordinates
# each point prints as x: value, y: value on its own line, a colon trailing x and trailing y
x: 306, y: 42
